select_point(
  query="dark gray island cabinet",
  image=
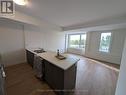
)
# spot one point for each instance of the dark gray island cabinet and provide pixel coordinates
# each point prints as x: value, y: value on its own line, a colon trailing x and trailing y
x: 59, y: 74
x: 30, y: 57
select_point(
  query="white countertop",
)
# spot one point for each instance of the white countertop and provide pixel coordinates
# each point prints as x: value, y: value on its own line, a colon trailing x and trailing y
x: 50, y: 56
x: 63, y: 64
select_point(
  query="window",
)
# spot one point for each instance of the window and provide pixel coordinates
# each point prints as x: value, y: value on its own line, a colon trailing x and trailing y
x: 77, y: 40
x: 105, y: 42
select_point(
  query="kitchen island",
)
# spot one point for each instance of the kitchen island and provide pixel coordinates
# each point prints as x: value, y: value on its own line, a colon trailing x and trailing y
x: 59, y: 74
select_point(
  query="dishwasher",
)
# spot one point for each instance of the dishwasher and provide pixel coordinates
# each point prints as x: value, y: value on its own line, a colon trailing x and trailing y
x: 2, y: 79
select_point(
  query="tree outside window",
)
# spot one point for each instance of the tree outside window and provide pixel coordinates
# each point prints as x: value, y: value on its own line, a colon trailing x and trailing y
x: 105, y: 42
x: 77, y: 41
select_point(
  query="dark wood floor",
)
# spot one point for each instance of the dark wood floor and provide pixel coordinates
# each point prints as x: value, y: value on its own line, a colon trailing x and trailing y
x: 92, y: 79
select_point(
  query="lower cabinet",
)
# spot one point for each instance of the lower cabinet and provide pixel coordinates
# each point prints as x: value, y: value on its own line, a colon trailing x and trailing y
x: 58, y: 78
x: 2, y: 81
x: 30, y: 57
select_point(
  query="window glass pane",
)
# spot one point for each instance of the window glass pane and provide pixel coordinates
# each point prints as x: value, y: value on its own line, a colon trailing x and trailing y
x: 74, y: 41
x: 83, y: 41
x: 105, y: 42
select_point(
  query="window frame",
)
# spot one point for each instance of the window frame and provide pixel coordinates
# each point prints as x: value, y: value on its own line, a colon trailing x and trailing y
x: 68, y: 45
x: 110, y: 45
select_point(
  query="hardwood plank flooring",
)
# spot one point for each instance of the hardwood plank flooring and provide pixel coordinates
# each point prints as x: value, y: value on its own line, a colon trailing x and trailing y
x: 21, y: 80
x: 92, y: 79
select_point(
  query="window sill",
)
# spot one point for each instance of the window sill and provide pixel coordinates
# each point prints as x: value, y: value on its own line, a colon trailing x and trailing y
x: 77, y: 48
x: 102, y: 52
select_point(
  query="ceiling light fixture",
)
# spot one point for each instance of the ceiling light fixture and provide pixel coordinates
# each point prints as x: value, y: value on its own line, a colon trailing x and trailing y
x: 21, y: 2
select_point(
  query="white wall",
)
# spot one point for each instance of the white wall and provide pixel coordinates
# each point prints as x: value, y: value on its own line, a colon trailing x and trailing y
x: 55, y: 40
x: 121, y: 85
x: 11, y: 42
x: 76, y: 51
x: 117, y: 43
x: 34, y: 37
x: 15, y: 37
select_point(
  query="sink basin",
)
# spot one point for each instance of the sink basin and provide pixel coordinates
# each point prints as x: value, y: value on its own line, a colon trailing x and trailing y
x: 39, y: 51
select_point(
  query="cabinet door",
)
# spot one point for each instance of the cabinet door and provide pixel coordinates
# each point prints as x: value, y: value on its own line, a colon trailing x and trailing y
x: 70, y: 78
x: 54, y: 76
x: 2, y: 84
x: 30, y: 57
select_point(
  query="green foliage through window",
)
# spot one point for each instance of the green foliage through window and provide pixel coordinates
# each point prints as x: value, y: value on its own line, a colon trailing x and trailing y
x: 105, y: 42
x: 77, y: 41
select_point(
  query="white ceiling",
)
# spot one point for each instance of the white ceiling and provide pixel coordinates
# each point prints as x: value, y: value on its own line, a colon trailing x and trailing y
x: 66, y: 13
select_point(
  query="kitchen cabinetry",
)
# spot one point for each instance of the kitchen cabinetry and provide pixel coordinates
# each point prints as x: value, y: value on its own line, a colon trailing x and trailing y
x: 30, y: 57
x: 2, y: 80
x: 59, y: 74
x: 60, y: 79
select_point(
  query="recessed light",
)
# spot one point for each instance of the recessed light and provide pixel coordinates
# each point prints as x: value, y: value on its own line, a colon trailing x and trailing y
x: 21, y: 2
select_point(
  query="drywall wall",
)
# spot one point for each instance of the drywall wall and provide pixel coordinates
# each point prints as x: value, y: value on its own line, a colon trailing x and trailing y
x: 34, y: 36
x: 15, y: 37
x: 121, y: 85
x: 11, y: 42
x: 117, y: 43
x: 55, y: 40
x: 76, y: 51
